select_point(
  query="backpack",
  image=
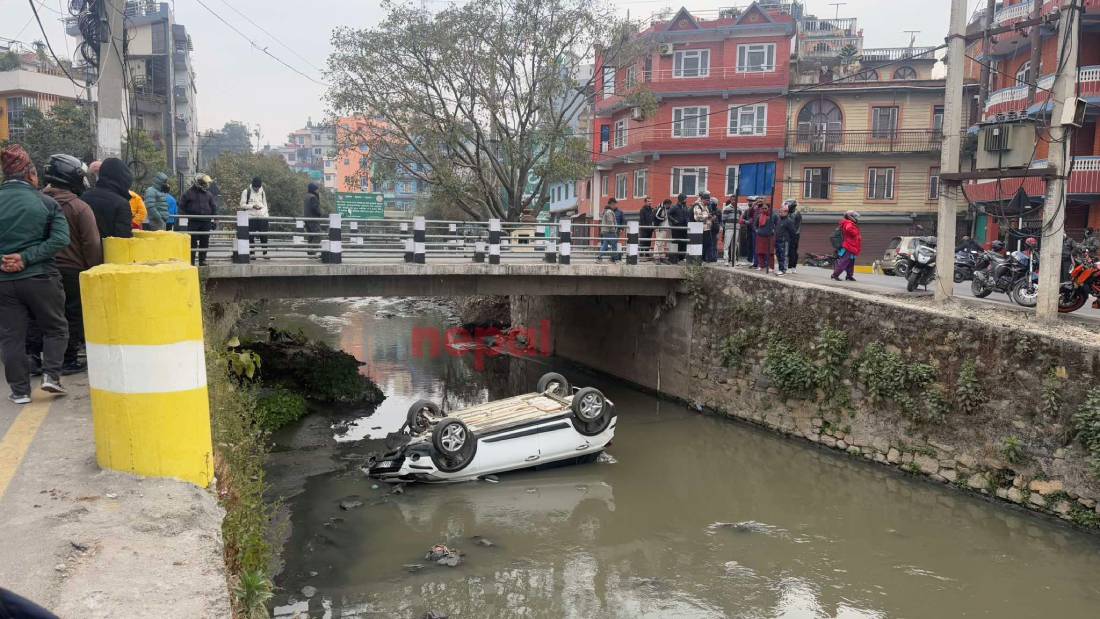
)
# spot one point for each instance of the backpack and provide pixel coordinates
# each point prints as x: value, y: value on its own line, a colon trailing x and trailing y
x: 837, y: 239
x: 661, y: 213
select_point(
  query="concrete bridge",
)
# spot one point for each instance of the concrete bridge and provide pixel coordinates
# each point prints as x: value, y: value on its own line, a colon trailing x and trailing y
x: 262, y: 279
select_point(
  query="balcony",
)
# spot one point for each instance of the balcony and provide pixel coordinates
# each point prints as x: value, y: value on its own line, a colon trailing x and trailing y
x: 717, y: 81
x: 813, y: 28
x: 1084, y: 180
x: 648, y: 140
x: 1014, y: 99
x: 888, y: 54
x: 865, y: 142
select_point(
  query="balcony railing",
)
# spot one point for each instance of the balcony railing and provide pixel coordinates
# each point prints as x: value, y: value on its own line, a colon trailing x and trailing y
x: 883, y: 54
x: 897, y: 141
x: 827, y: 48
x: 1014, y: 98
x: 1009, y: 13
x: 829, y: 27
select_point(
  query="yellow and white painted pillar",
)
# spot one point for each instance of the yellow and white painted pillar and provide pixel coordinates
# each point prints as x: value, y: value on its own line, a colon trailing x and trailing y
x: 147, y: 246
x: 147, y: 370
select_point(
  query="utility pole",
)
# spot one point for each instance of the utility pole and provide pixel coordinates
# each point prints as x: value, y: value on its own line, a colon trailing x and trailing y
x: 987, y: 23
x: 949, y: 155
x: 1035, y: 35
x: 111, y: 88
x: 1054, y: 206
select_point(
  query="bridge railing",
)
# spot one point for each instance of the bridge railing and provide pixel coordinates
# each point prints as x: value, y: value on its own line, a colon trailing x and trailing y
x: 334, y: 239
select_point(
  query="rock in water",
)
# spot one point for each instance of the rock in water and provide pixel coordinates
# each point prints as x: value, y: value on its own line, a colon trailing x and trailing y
x: 348, y: 505
x: 309, y: 591
x: 413, y: 568
x: 443, y: 555
x: 450, y: 560
x: 481, y: 541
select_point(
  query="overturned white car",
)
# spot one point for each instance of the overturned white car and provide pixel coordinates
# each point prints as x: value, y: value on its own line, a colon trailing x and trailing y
x: 556, y: 423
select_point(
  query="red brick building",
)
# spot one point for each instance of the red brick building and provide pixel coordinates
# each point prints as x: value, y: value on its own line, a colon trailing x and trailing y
x: 721, y: 87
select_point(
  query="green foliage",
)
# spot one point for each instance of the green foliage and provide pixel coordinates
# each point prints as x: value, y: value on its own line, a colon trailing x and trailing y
x: 848, y: 54
x: 1086, y: 421
x: 285, y: 188
x: 969, y: 394
x: 66, y: 128
x: 790, y: 370
x: 1083, y: 516
x: 832, y: 350
x: 233, y: 137
x: 734, y: 347
x: 887, y: 377
x: 145, y: 158
x: 1050, y: 397
x: 937, y: 405
x: 252, y: 592
x: 1012, y: 449
x: 9, y: 61
x: 278, y: 408
x: 695, y: 281
x: 642, y: 97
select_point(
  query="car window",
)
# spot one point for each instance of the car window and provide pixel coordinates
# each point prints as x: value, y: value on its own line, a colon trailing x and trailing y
x: 894, y: 243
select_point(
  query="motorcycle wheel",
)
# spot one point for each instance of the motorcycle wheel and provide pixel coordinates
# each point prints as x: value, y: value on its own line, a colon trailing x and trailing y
x: 1072, y: 299
x: 979, y: 289
x: 912, y: 280
x: 960, y: 276
x: 1024, y: 293
x: 901, y: 268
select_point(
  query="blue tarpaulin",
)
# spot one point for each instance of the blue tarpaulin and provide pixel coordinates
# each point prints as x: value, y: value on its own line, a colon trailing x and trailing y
x: 756, y: 179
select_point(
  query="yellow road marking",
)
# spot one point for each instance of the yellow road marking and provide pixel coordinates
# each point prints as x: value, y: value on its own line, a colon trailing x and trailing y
x: 18, y: 439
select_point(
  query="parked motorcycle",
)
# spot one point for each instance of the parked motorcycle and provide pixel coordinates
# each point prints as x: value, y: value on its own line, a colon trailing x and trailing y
x: 1025, y: 291
x: 820, y: 260
x: 921, y: 264
x: 1084, y: 279
x: 996, y: 273
x: 965, y: 262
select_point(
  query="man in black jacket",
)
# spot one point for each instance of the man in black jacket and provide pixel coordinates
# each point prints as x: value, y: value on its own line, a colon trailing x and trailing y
x: 312, y: 209
x: 646, y: 221
x: 199, y: 201
x: 796, y: 220
x: 110, y: 199
x: 678, y: 217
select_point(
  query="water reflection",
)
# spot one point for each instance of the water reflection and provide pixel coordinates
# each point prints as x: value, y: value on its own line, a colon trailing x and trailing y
x: 700, y: 517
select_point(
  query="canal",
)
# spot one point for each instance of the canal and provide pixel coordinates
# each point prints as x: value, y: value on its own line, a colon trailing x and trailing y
x: 691, y: 516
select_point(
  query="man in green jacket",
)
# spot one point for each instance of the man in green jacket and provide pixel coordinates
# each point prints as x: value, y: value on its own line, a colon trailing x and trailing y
x: 156, y: 201
x: 32, y: 230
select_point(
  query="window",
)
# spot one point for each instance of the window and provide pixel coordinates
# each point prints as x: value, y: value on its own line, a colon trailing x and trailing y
x: 820, y: 123
x: 880, y: 183
x: 691, y: 63
x: 603, y: 184
x: 301, y: 139
x: 641, y: 183
x: 905, y: 73
x: 884, y: 122
x: 934, y: 184
x: 620, y: 133
x: 937, y: 120
x: 815, y: 183
x: 621, y: 182
x: 317, y: 151
x: 731, y: 180
x: 1023, y: 74
x: 608, y: 81
x: 631, y: 76
x: 749, y: 120
x: 870, y: 75
x: 688, y: 181
x: 647, y: 68
x: 690, y: 122
x: 756, y: 58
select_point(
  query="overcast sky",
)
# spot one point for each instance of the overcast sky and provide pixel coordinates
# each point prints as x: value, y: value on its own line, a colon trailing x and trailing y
x: 238, y: 82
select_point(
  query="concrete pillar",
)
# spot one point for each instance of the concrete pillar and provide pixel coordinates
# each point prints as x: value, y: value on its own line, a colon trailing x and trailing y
x: 299, y: 232
x: 420, y: 238
x: 335, y: 253
x: 494, y: 241
x: 550, y: 248
x: 479, y: 251
x: 147, y: 246
x: 408, y: 242
x: 695, y: 242
x: 241, y: 250
x: 632, y: 242
x: 565, y: 241
x: 147, y: 370
x: 353, y: 227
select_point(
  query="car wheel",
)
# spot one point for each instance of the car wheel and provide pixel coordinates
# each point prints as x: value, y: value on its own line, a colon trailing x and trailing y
x: 421, y: 414
x: 555, y: 383
x: 454, y: 445
x: 592, y: 413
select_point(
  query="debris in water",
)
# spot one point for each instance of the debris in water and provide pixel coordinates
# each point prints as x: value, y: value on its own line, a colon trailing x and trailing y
x: 606, y: 458
x: 309, y: 591
x: 350, y: 505
x: 374, y: 486
x: 398, y: 489
x: 442, y: 555
x: 413, y: 568
x: 431, y: 614
x: 492, y: 479
x: 482, y: 541
x: 747, y: 526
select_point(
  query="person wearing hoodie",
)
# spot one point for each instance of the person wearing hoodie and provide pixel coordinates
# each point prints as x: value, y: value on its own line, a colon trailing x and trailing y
x: 254, y: 202
x: 199, y: 201
x: 138, y: 212
x: 678, y: 217
x: 110, y: 199
x: 156, y: 201
x: 173, y: 208
x: 796, y: 221
x: 312, y: 209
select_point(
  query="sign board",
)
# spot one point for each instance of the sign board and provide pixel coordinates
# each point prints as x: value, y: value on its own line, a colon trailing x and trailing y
x: 360, y: 205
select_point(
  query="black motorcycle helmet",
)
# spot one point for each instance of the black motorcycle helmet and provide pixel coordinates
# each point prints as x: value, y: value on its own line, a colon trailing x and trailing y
x: 65, y: 171
x: 998, y: 245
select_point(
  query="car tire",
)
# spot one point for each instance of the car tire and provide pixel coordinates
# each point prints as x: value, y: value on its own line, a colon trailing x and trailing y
x: 453, y: 445
x: 555, y: 381
x: 418, y: 419
x: 592, y: 413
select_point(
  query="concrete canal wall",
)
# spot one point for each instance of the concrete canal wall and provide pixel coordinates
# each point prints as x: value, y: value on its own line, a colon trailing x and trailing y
x: 953, y: 394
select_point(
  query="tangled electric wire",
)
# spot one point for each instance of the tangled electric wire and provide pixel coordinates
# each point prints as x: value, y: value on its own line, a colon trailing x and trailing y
x: 86, y: 13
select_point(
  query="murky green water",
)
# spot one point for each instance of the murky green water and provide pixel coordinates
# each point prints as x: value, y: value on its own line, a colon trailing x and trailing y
x: 697, y: 517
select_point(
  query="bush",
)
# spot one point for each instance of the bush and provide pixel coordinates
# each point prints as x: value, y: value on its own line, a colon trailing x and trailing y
x: 969, y: 395
x: 887, y: 377
x: 278, y: 408
x: 734, y: 347
x: 1086, y: 421
x: 791, y: 371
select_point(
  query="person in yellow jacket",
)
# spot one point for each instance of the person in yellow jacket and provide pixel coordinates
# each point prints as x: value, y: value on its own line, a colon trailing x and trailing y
x: 137, y: 208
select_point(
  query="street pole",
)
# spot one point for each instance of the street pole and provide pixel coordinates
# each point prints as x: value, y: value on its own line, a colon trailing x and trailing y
x: 111, y: 88
x: 1035, y: 36
x: 1054, y: 206
x: 949, y: 155
x: 983, y: 84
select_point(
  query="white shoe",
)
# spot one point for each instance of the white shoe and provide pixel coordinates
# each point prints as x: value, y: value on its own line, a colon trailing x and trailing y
x: 781, y: 273
x: 19, y: 399
x: 52, y: 385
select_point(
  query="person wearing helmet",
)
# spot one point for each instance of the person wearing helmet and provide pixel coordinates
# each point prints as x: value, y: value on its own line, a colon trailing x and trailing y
x: 110, y: 199
x: 156, y: 201
x: 199, y: 202
x: 998, y: 247
x: 850, y: 247
x: 64, y: 179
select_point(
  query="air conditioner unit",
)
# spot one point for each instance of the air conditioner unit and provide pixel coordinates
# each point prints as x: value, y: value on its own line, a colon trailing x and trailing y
x: 667, y: 49
x: 637, y: 113
x: 1009, y: 144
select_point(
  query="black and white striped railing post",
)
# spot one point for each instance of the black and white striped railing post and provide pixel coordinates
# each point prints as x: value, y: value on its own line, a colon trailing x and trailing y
x: 420, y: 237
x: 453, y: 243
x: 632, y: 242
x: 408, y: 242
x: 494, y: 241
x: 540, y: 239
x: 550, y: 249
x: 479, y: 251
x: 695, y: 242
x: 299, y: 232
x: 241, y: 249
x: 335, y: 253
x: 565, y: 241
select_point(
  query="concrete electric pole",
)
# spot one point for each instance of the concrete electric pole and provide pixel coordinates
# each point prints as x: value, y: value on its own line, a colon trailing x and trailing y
x: 1058, y: 158
x: 949, y: 155
x: 112, y: 94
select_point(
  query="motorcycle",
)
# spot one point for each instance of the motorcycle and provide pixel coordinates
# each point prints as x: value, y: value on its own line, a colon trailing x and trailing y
x: 1084, y: 279
x: 820, y: 260
x: 996, y: 273
x: 1025, y: 291
x: 965, y: 262
x: 921, y: 264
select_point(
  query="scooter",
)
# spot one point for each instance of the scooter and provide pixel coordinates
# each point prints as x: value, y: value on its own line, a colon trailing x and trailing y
x: 965, y: 261
x: 922, y: 264
x: 820, y: 260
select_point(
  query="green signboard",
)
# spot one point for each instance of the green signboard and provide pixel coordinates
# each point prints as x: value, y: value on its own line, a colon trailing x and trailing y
x: 360, y: 205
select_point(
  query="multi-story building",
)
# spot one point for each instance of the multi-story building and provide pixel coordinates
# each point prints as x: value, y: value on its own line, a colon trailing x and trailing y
x: 1020, y: 87
x: 310, y: 145
x: 32, y: 82
x: 721, y: 113
x: 161, y: 83
x: 863, y: 133
x: 571, y: 196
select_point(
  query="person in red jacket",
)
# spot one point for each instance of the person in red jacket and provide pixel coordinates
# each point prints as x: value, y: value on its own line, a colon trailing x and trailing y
x: 851, y: 246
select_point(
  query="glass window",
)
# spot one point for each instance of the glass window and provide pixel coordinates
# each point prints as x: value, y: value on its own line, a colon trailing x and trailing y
x: 690, y: 122
x: 880, y: 183
x: 620, y: 186
x: 608, y: 81
x: 688, y: 181
x: 937, y: 119
x: 1023, y: 74
x: 731, y: 180
x: 603, y: 184
x: 749, y: 120
x: 641, y: 183
x: 631, y: 76
x: 884, y: 122
x: 869, y: 75
x: 756, y: 58
x: 815, y: 183
x: 620, y: 133
x: 905, y: 73
x: 691, y: 63
x: 934, y: 184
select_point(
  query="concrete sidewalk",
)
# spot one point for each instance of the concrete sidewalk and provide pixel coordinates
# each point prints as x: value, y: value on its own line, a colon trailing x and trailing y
x: 87, y: 543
